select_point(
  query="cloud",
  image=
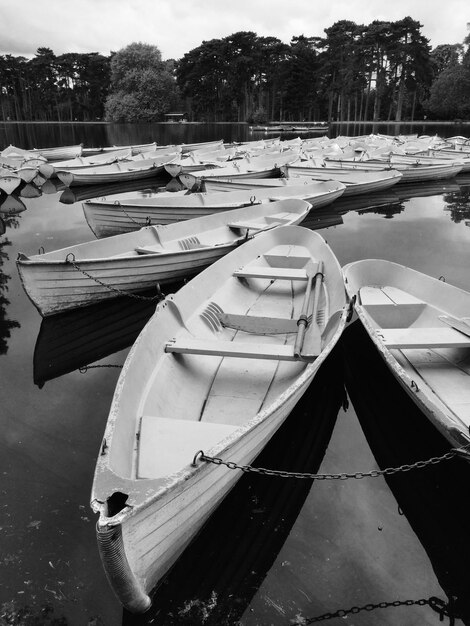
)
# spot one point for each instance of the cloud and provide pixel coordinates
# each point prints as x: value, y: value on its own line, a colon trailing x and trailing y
x: 177, y: 27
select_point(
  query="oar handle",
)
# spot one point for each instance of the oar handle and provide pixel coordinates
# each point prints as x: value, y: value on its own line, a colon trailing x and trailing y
x: 318, y: 279
x: 303, y: 319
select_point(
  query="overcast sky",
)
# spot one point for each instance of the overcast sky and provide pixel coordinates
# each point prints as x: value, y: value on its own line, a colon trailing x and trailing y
x: 177, y: 26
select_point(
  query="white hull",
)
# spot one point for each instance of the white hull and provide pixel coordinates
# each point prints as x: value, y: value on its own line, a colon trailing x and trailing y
x: 401, y: 310
x: 8, y: 183
x: 355, y: 183
x: 140, y: 260
x: 60, y: 153
x: 410, y: 173
x: 116, y: 172
x: 111, y: 218
x: 142, y: 532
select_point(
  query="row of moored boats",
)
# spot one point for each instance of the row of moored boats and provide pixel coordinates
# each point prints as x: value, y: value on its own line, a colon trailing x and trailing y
x: 223, y: 361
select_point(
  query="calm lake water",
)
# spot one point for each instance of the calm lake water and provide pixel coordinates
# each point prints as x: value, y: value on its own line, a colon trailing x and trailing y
x: 277, y: 552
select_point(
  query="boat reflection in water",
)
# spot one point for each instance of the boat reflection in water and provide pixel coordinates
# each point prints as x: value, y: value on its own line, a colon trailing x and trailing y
x: 87, y: 192
x: 75, y: 339
x: 433, y: 499
x: 11, y: 204
x: 214, y: 580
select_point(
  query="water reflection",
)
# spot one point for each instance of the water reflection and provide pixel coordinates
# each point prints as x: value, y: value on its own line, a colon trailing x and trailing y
x: 458, y: 205
x: 6, y: 325
x: 11, y: 204
x: 74, y: 339
x: 425, y: 189
x: 398, y: 432
x: 387, y: 211
x: 215, y: 579
x: 70, y: 195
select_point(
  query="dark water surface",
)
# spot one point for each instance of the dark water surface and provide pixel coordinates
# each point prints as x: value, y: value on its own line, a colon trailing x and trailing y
x: 277, y: 551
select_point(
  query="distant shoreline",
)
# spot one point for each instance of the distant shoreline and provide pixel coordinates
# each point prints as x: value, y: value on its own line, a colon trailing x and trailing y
x: 383, y: 123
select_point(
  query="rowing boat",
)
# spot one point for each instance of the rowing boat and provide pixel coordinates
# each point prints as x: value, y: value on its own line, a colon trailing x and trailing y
x: 9, y: 181
x: 85, y: 273
x: 411, y: 172
x: 419, y: 326
x: 218, y: 368
x: 262, y: 166
x: 355, y: 182
x: 107, y: 217
x: 115, y: 172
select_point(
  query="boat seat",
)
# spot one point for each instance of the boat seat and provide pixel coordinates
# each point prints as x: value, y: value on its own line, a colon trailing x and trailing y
x: 282, y: 273
x: 207, y: 347
x: 167, y: 445
x: 386, y: 295
x: 258, y: 324
x: 250, y: 225
x: 439, y: 337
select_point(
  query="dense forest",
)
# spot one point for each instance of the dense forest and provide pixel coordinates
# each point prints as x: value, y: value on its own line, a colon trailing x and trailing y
x: 385, y: 71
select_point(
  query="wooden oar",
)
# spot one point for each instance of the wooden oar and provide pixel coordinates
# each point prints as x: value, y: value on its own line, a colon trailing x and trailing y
x: 312, y: 342
x: 303, y: 319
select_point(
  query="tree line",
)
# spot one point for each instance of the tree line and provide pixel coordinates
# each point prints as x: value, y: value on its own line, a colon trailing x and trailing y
x: 383, y: 71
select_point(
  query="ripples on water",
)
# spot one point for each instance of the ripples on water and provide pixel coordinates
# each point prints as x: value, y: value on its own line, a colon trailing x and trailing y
x: 276, y: 551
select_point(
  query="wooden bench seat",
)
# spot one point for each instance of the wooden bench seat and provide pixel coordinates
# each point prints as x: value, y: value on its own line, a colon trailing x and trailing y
x: 259, y: 324
x: 282, y: 273
x: 439, y: 337
x: 250, y: 225
x: 386, y: 295
x: 207, y: 347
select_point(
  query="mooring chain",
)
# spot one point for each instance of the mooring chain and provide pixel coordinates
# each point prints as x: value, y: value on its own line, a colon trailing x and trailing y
x: 464, y: 451
x: 147, y: 221
x: 70, y: 259
x: 442, y: 608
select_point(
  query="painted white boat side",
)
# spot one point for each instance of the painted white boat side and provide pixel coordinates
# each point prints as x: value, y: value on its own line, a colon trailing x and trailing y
x: 402, y: 310
x: 148, y: 516
x: 140, y: 260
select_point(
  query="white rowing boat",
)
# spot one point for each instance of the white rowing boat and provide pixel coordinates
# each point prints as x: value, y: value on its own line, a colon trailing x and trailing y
x: 355, y: 182
x: 115, y: 172
x: 420, y: 326
x: 263, y: 166
x: 9, y: 181
x: 218, y: 368
x: 411, y: 172
x: 107, y: 217
x: 86, y: 273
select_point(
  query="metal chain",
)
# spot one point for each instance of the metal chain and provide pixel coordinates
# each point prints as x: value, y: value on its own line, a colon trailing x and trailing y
x: 200, y: 456
x: 147, y: 220
x: 120, y: 292
x: 438, y: 605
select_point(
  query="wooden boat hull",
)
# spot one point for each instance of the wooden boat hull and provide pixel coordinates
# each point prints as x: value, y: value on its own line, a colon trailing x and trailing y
x: 114, y: 173
x: 60, y: 153
x: 8, y: 183
x: 104, y: 269
x: 410, y: 173
x: 401, y: 310
x: 111, y: 218
x: 145, y: 523
x: 356, y: 184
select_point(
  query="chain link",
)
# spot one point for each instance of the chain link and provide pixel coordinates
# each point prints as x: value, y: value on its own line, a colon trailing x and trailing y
x: 438, y: 605
x: 200, y: 456
x: 148, y: 221
x: 120, y: 292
